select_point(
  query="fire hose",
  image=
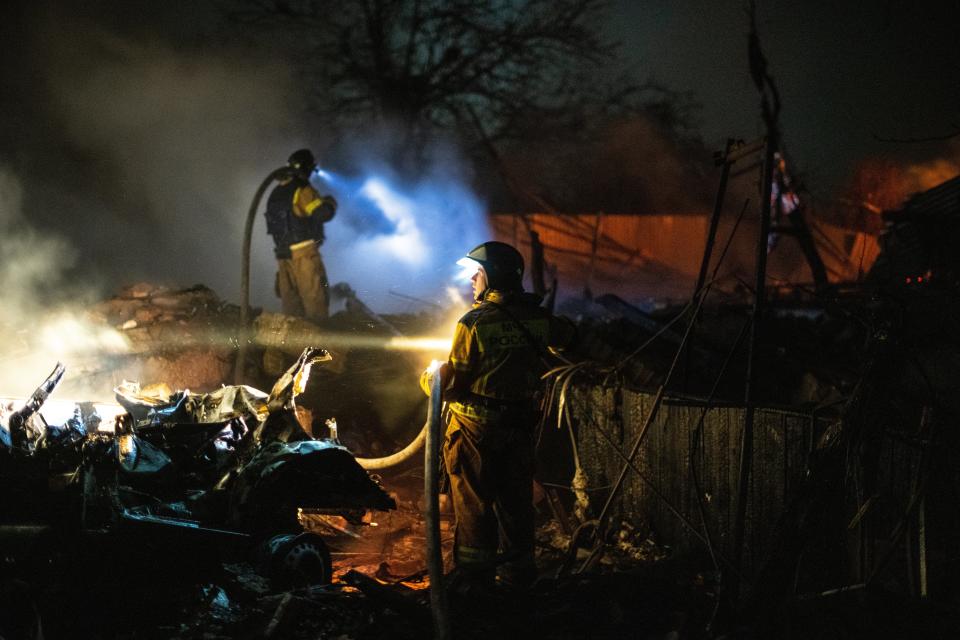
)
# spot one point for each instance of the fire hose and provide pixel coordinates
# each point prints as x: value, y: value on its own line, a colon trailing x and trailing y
x: 376, y: 464
x: 430, y: 437
x: 276, y: 174
x: 431, y: 490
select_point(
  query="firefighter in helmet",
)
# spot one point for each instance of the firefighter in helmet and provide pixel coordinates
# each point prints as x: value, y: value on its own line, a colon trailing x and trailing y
x: 491, y: 382
x: 295, y: 215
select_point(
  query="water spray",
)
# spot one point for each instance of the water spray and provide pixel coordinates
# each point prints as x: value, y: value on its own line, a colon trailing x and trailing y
x: 410, y: 233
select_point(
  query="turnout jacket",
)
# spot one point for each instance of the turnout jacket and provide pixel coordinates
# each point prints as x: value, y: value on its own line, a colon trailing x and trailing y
x: 497, y: 355
x: 295, y: 216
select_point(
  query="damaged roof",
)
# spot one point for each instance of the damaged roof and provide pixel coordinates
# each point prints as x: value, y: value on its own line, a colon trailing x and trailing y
x: 942, y: 200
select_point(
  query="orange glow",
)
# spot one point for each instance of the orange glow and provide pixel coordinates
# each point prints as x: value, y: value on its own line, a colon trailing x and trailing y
x: 882, y: 184
x: 627, y: 246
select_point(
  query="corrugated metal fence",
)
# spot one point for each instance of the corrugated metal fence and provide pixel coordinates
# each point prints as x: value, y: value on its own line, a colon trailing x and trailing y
x: 782, y: 441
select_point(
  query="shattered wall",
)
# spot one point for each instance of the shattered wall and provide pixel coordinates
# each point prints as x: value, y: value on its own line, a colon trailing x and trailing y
x: 782, y: 441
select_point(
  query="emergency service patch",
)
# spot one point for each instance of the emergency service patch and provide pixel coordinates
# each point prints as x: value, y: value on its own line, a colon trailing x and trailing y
x: 496, y: 336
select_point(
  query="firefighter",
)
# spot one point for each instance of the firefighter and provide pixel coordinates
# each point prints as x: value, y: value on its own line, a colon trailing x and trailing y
x: 491, y: 383
x: 295, y: 216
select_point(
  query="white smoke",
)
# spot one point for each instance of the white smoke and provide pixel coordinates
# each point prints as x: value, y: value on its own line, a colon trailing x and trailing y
x: 42, y: 319
x: 183, y: 139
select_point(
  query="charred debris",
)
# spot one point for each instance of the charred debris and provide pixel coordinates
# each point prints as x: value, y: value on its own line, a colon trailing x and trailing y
x: 131, y: 512
x: 705, y: 470
x: 799, y: 442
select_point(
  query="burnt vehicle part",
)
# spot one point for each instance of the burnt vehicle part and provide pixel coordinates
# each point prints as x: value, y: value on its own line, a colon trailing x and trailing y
x: 39, y: 462
x: 253, y: 479
x: 19, y: 422
x: 295, y: 560
x: 245, y: 465
x: 217, y: 471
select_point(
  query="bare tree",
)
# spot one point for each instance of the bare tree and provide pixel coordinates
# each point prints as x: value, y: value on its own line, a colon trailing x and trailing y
x: 492, y: 70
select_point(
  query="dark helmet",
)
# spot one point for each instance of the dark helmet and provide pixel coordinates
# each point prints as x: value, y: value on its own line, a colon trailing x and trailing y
x: 502, y: 263
x: 302, y: 162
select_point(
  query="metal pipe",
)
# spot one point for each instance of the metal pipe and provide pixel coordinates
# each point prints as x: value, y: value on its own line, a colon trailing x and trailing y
x: 711, y: 238
x: 244, y: 337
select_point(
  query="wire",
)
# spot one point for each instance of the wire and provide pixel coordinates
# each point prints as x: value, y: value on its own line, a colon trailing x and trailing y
x: 569, y: 488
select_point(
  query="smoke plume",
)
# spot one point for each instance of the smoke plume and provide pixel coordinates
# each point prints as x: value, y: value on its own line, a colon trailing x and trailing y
x: 42, y: 320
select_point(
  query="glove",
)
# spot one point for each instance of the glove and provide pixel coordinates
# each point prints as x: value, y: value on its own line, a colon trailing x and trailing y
x: 426, y: 378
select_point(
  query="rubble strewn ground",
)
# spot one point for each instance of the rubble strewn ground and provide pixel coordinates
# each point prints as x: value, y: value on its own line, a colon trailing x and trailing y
x: 380, y: 592
x: 663, y: 598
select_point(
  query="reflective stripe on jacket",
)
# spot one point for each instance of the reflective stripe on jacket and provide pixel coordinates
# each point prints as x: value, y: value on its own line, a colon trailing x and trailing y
x: 295, y: 215
x: 495, y: 364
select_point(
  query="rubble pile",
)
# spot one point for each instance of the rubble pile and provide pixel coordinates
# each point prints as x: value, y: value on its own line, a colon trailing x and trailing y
x: 182, y: 337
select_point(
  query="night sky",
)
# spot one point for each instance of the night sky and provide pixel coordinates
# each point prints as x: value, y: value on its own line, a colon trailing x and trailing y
x: 848, y: 72
x: 134, y: 135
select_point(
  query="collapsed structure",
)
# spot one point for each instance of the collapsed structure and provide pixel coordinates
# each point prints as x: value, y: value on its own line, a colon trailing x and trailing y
x: 231, y: 469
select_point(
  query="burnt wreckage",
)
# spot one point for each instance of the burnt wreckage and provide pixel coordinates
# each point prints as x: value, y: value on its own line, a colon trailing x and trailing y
x: 849, y: 498
x: 228, y: 470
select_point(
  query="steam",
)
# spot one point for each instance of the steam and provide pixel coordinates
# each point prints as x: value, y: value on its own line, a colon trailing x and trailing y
x: 183, y: 138
x: 633, y: 165
x: 41, y: 320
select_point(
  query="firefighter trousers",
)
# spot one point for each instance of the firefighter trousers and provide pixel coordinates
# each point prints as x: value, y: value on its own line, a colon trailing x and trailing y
x: 490, y: 466
x: 302, y: 285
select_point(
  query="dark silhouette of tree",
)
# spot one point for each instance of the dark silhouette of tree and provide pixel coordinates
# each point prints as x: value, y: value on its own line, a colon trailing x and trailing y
x: 492, y: 71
